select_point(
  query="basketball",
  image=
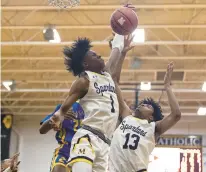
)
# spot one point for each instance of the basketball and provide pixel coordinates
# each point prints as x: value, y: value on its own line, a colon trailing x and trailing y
x: 124, y: 21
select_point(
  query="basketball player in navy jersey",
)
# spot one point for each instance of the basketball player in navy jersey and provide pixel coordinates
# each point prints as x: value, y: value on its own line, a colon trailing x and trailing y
x: 96, y: 90
x: 64, y: 134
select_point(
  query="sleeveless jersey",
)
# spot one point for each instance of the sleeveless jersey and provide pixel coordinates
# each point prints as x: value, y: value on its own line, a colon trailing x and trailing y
x: 100, y: 104
x: 132, y: 143
x: 68, y: 128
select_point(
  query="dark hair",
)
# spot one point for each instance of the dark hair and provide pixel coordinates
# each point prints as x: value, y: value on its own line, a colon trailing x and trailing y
x: 157, y: 115
x: 75, y: 54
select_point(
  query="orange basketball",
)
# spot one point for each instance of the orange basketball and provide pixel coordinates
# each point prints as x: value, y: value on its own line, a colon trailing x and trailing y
x: 124, y: 21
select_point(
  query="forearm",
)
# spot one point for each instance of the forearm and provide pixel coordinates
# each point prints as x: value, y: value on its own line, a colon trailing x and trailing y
x: 45, y: 127
x: 173, y: 103
x: 115, y: 56
x: 66, y: 105
x: 113, y: 62
x: 118, y: 68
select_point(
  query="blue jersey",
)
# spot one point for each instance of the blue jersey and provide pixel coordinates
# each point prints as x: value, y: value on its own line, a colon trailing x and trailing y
x: 68, y: 127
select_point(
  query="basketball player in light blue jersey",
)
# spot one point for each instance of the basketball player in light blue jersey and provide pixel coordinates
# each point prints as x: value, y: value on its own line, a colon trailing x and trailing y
x: 64, y: 135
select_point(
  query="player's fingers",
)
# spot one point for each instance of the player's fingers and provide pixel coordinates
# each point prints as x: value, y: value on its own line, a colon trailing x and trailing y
x: 131, y: 47
x: 18, y: 163
x: 16, y: 155
x: 125, y: 40
x: 131, y: 38
x: 129, y: 6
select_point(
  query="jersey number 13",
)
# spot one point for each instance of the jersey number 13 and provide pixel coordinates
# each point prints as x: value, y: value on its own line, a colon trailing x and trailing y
x: 131, y: 141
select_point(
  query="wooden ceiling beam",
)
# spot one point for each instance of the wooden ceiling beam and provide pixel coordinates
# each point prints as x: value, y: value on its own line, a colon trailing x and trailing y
x: 109, y: 7
x: 194, y: 57
x: 121, y: 82
x: 42, y: 43
x: 64, y: 90
x: 153, y: 26
x: 62, y: 99
x: 51, y: 107
x: 124, y: 70
x: 48, y: 112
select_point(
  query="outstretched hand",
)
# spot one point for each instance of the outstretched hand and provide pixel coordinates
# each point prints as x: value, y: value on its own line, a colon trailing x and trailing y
x: 127, y: 43
x: 56, y: 121
x: 129, y: 6
x: 168, y: 75
x: 14, y: 163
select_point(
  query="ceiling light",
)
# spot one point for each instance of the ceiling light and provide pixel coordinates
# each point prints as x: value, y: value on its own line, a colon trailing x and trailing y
x: 201, y: 111
x: 204, y: 86
x: 9, y: 85
x: 51, y: 34
x: 145, y: 86
x: 139, y: 36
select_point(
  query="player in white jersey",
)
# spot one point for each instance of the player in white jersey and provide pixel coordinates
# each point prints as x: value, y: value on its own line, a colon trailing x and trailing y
x: 96, y: 90
x: 134, y: 139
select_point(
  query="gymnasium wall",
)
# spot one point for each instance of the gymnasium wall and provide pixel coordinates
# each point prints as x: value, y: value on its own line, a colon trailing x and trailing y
x: 36, y: 150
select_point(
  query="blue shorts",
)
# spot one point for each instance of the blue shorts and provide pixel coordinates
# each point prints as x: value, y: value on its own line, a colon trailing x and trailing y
x: 59, y: 159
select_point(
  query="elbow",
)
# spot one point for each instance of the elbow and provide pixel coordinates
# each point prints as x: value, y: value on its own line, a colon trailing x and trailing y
x: 41, y: 131
x: 178, y: 115
x: 113, y: 75
x: 63, y: 110
x: 115, y: 78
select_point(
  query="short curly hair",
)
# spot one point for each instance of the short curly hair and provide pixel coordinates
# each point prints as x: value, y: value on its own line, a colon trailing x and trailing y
x: 157, y: 115
x: 75, y: 54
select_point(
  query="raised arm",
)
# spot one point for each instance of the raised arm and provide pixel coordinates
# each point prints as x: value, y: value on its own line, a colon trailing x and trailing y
x: 118, y: 68
x: 120, y: 47
x: 117, y: 47
x: 124, y: 110
x: 175, y: 115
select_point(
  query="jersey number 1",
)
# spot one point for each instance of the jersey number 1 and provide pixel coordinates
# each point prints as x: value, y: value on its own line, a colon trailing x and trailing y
x: 112, y: 104
x: 135, y: 142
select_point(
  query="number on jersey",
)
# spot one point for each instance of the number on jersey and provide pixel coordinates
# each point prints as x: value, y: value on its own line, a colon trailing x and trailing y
x: 112, y: 104
x: 131, y: 142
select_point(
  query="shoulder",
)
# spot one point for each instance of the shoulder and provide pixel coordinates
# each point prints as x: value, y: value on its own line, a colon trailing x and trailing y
x: 81, y: 82
x: 129, y: 117
x: 80, y: 86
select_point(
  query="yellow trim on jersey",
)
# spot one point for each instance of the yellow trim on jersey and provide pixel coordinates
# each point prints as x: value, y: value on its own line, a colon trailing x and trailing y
x: 54, y: 160
x: 76, y: 124
x: 63, y: 135
x: 64, y: 165
x: 138, y: 119
x: 56, y: 164
x: 79, y: 160
x: 80, y: 141
x: 57, y: 150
